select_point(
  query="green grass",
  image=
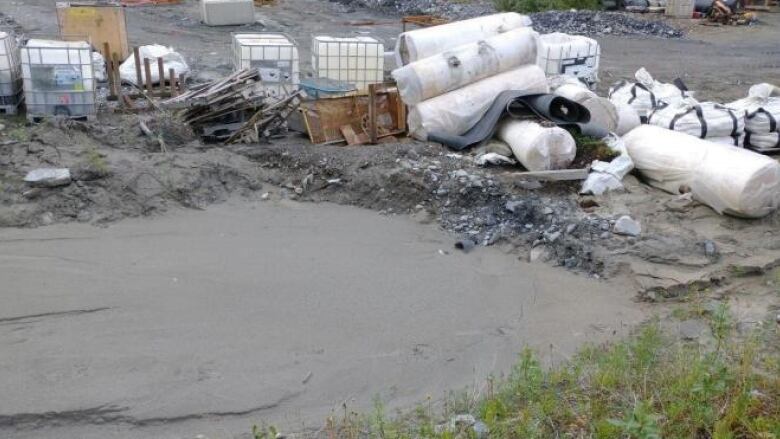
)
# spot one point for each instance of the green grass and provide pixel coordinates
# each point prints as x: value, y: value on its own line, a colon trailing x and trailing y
x: 648, y: 386
x: 527, y: 6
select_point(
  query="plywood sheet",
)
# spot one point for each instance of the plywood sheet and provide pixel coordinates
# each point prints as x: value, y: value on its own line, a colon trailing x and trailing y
x: 101, y: 24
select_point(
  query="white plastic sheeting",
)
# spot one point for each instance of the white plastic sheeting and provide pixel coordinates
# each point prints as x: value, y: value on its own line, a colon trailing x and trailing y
x: 171, y: 60
x: 99, y: 66
x: 730, y: 180
x: 762, y: 117
x: 706, y: 120
x: 536, y: 147
x: 457, y: 111
x: 646, y: 94
x: 422, y: 43
x: 608, y: 176
x: 466, y: 64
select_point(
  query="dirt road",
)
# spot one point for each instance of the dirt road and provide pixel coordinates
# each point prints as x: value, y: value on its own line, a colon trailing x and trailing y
x: 208, y: 322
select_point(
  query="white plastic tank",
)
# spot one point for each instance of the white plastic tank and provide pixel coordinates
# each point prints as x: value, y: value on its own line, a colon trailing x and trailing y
x: 275, y: 55
x: 564, y: 54
x: 58, y: 78
x: 354, y: 60
x: 10, y: 69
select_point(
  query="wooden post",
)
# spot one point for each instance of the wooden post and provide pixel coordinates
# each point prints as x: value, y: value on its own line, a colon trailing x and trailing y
x: 148, y: 72
x: 172, y: 78
x: 137, y: 55
x: 109, y: 70
x: 161, y: 71
x: 182, y: 82
x: 115, y: 72
x: 372, y: 128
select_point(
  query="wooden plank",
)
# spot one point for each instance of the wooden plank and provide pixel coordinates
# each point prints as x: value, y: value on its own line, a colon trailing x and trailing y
x: 98, y: 23
x: 148, y: 72
x: 137, y: 56
x: 115, y: 63
x: 349, y: 135
x: 373, y: 133
x: 161, y: 73
x: 174, y: 86
x: 109, y: 69
x: 556, y: 175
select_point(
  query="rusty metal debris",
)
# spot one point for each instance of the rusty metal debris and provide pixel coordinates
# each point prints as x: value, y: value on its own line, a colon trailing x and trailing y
x: 721, y: 13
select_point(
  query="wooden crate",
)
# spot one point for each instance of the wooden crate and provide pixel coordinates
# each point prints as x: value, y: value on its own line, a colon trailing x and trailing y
x: 99, y: 23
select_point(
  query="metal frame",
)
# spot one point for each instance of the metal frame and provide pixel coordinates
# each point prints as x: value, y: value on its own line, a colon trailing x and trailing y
x: 52, y: 102
x: 278, y: 87
x: 348, y: 73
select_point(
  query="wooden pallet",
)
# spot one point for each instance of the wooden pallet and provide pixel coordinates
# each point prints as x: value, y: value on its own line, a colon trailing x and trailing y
x: 34, y: 118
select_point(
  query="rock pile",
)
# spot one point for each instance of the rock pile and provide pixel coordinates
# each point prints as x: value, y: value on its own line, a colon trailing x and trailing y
x: 601, y: 23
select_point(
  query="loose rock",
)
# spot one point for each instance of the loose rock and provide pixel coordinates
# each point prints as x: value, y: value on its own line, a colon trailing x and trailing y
x: 625, y: 225
x: 48, y: 177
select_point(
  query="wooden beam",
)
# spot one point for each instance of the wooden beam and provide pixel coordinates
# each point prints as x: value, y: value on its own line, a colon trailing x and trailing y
x: 556, y: 175
x: 137, y: 56
x: 148, y: 72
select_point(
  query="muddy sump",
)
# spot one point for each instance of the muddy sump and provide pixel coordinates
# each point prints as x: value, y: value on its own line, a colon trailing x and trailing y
x: 485, y: 205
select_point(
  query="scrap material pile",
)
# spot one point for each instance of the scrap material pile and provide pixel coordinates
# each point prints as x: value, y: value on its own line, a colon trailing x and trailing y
x: 234, y: 109
x: 722, y: 13
x: 493, y: 82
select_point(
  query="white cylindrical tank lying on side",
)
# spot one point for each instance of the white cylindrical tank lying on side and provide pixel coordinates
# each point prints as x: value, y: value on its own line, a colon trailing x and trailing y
x: 463, y: 65
x: 536, y: 147
x: 731, y: 180
x: 457, y: 111
x: 422, y: 43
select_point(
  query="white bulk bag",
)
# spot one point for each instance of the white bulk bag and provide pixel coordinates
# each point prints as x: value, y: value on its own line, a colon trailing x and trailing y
x: 706, y: 120
x: 463, y: 65
x: 536, y: 147
x: 171, y: 60
x: 628, y: 119
x: 422, y: 43
x: 456, y: 111
x: 730, y: 180
x: 762, y: 117
x: 646, y: 94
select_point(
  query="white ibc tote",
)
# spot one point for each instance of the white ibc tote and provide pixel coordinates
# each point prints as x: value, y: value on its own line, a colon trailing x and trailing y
x: 274, y: 55
x: 564, y: 54
x: 730, y: 180
x: 422, y: 43
x: 457, y: 111
x: 536, y: 147
x: 463, y: 65
x: 359, y: 61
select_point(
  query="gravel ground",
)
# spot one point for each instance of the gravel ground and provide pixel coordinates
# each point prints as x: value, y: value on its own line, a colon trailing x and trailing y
x: 574, y: 22
x: 601, y: 23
